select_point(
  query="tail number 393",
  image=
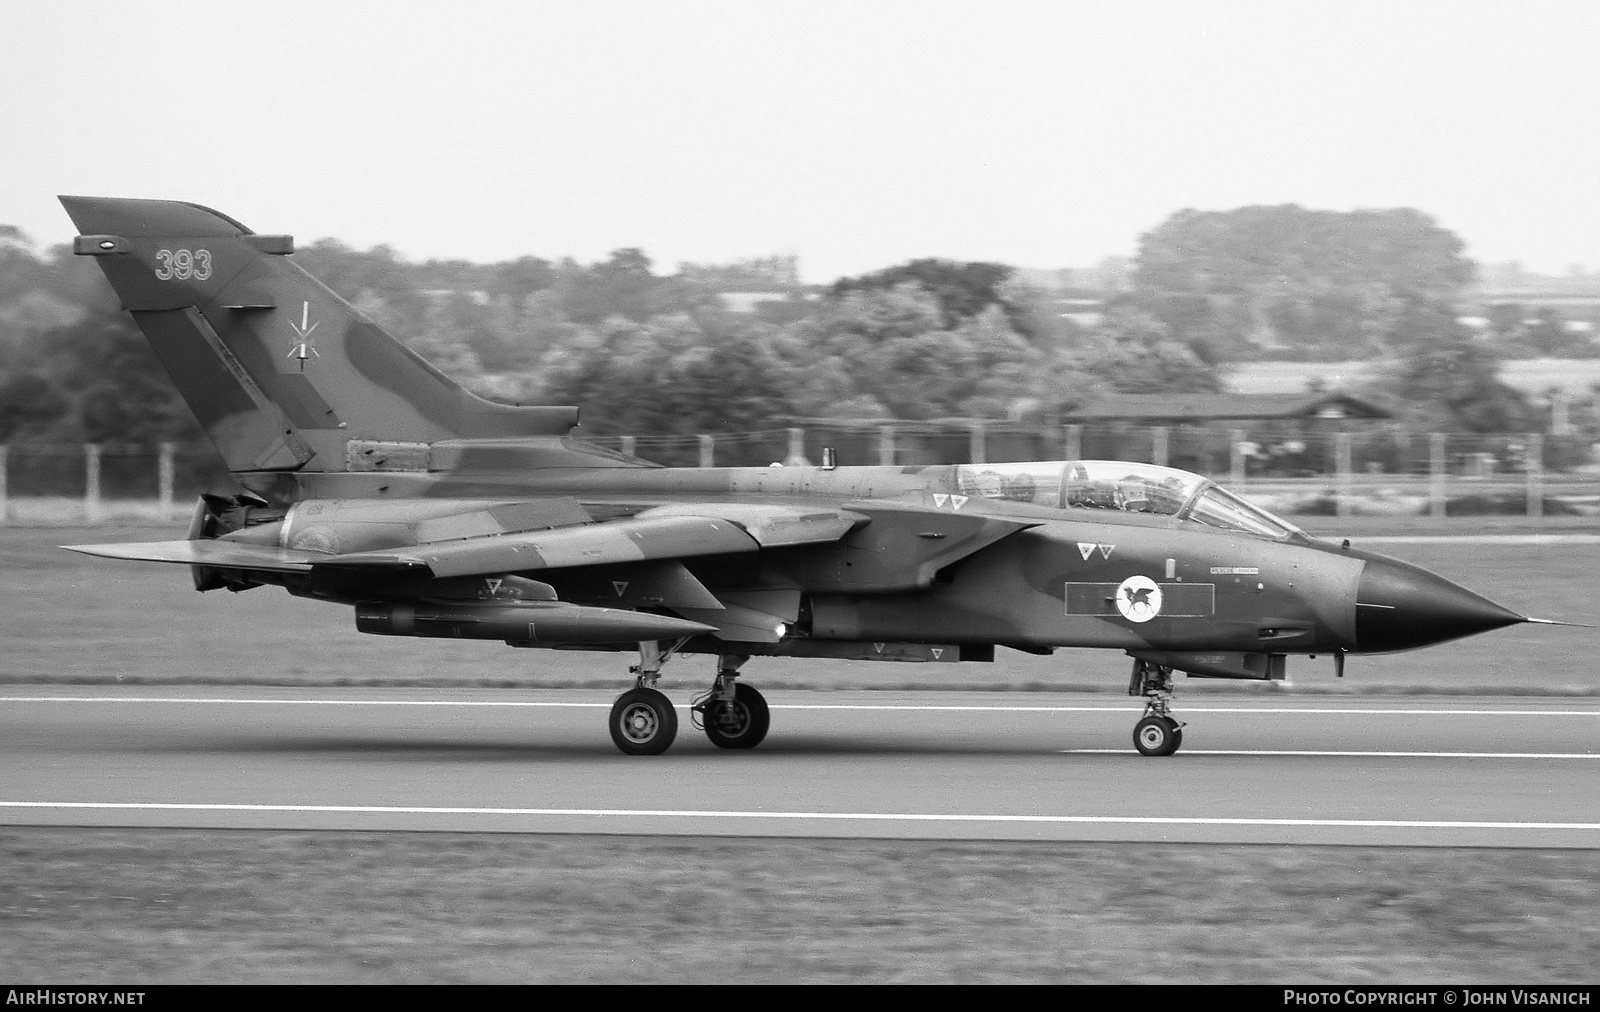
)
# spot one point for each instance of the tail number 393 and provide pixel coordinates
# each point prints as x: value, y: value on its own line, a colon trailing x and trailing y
x: 183, y: 264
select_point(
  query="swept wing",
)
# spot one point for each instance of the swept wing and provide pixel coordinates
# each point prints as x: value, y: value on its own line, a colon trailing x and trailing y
x: 669, y: 532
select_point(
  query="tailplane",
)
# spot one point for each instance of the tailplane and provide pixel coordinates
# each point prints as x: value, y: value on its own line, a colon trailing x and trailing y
x: 282, y: 374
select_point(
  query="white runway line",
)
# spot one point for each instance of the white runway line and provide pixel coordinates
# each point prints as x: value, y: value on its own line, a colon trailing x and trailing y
x: 1474, y: 539
x: 1379, y: 755
x: 1130, y: 707
x: 223, y: 701
x: 828, y: 816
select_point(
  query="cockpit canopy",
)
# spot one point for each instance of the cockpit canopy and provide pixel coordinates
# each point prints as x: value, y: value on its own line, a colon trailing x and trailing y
x: 1119, y: 485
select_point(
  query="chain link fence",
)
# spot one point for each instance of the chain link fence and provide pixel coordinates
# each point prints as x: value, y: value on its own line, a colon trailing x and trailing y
x: 1356, y: 472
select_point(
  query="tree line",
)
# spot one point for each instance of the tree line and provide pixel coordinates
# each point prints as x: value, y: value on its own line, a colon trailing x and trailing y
x: 645, y: 351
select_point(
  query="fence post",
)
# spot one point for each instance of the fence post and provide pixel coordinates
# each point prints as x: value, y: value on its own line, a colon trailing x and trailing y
x: 1535, y: 472
x: 1158, y: 445
x: 1560, y: 425
x: 1049, y: 436
x: 708, y: 450
x: 1074, y: 444
x: 1404, y: 465
x: 164, y: 472
x: 628, y: 444
x: 886, y: 445
x: 797, y: 449
x: 1436, y: 472
x: 977, y: 441
x: 1236, y: 468
x: 1342, y: 467
x: 5, y: 505
x: 91, y: 483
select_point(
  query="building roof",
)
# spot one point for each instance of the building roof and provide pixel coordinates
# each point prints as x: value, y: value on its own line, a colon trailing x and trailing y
x: 1226, y: 407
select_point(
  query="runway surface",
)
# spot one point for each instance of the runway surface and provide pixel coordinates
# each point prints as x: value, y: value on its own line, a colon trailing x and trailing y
x: 1433, y: 771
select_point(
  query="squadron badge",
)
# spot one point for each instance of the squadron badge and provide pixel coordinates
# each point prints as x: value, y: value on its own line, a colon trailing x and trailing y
x: 1139, y: 599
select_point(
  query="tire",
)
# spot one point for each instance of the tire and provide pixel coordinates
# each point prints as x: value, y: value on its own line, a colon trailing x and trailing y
x: 643, y: 722
x: 742, y: 727
x: 1157, y: 736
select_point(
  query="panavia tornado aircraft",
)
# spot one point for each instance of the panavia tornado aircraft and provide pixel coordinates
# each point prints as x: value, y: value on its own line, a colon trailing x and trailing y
x: 372, y: 480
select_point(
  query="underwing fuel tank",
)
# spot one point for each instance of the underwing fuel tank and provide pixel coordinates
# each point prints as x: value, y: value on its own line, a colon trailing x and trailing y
x: 542, y: 622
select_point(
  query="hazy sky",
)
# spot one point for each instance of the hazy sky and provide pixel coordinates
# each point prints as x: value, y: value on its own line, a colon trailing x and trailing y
x: 855, y: 134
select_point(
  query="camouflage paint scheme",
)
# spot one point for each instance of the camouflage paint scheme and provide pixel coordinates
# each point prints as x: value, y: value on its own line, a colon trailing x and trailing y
x: 376, y: 481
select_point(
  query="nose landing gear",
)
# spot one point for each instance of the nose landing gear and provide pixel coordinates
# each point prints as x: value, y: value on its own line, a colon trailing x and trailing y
x: 1157, y: 733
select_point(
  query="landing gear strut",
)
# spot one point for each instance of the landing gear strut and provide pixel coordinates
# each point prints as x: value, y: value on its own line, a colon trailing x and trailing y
x: 1157, y: 733
x: 733, y: 715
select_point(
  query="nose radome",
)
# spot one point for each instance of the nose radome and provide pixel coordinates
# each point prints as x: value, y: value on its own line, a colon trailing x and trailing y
x: 1400, y: 606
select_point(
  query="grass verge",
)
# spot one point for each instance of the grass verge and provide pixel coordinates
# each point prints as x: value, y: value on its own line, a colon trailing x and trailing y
x: 154, y: 906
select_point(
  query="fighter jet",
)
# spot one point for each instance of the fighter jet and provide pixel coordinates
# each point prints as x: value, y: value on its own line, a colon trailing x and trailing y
x: 373, y: 481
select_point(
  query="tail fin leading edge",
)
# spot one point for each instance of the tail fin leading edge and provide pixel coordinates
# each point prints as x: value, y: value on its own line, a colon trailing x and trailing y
x: 282, y: 373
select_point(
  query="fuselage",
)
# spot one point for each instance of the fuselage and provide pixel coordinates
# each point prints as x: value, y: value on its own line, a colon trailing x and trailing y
x: 971, y: 556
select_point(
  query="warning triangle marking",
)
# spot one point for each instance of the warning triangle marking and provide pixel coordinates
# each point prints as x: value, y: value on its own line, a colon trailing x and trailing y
x: 1086, y: 549
x: 940, y: 500
x: 1106, y: 550
x: 620, y: 586
x: 879, y: 647
x: 958, y: 501
x: 938, y: 652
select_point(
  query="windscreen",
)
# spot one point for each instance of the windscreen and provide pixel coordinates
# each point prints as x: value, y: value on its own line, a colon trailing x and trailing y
x: 1219, y: 508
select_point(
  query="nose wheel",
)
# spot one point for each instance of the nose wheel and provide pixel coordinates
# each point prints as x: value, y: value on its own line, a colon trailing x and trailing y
x: 1157, y: 736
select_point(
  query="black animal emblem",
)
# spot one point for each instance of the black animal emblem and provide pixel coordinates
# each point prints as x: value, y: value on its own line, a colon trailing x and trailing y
x: 1138, y: 597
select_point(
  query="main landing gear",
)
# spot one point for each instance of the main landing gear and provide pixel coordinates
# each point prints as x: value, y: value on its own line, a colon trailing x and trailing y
x: 643, y: 721
x: 733, y: 715
x: 1157, y: 733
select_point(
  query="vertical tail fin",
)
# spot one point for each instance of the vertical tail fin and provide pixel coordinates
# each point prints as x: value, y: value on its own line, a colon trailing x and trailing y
x: 283, y: 374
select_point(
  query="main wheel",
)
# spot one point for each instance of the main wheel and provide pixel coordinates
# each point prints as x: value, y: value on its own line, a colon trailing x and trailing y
x: 1157, y: 736
x: 741, y: 725
x: 643, y: 722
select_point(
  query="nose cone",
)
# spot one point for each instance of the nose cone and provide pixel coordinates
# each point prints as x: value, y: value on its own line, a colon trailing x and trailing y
x: 1400, y: 606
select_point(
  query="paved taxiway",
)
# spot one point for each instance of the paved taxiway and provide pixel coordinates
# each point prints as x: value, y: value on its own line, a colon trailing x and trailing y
x: 1361, y: 770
